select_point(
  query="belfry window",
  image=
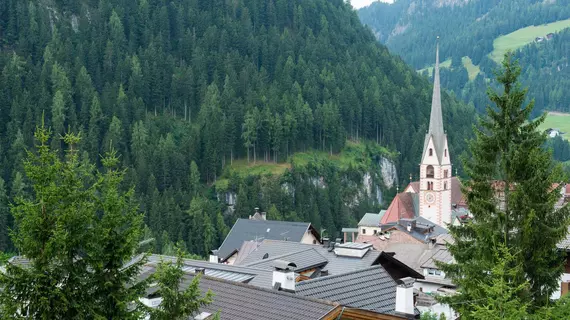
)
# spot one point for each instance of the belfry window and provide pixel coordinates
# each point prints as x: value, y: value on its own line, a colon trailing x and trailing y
x: 430, y: 152
x: 429, y: 171
x: 430, y: 185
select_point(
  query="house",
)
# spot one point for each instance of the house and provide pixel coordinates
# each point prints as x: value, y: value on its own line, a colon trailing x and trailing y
x: 238, y: 298
x: 550, y: 36
x: 564, y: 247
x: 552, y: 133
x: 315, y: 261
x: 407, y: 230
x: 257, y: 228
x: 370, y: 289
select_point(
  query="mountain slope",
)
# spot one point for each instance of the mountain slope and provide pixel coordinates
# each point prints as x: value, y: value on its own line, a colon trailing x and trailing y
x: 168, y: 83
x: 469, y: 29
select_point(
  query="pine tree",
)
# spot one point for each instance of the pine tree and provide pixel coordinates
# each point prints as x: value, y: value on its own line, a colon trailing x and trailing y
x: 118, y: 231
x: 53, y: 231
x: 511, y: 197
x: 177, y: 304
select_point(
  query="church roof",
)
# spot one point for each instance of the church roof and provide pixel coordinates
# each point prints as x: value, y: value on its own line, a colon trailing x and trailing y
x: 436, y: 131
x: 404, y: 205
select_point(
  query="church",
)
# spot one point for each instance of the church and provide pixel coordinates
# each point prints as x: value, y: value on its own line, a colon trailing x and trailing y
x: 437, y: 196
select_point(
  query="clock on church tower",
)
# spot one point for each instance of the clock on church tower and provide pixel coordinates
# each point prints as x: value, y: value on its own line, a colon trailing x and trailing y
x: 435, y: 167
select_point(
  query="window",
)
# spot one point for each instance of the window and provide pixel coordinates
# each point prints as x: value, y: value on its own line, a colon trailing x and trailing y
x: 445, y: 152
x: 429, y: 171
x: 445, y: 186
x: 430, y: 152
x: 375, y: 232
x: 434, y: 272
x: 430, y: 185
x: 363, y: 231
x: 445, y: 173
x: 431, y: 272
x: 314, y: 241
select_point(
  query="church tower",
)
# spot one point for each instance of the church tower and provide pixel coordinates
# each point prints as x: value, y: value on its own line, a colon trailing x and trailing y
x: 435, y: 167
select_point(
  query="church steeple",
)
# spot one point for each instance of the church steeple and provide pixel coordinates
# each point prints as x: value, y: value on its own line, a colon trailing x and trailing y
x: 436, y: 131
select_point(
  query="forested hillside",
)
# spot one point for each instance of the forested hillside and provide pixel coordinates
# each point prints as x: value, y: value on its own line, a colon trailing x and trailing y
x: 182, y: 88
x: 470, y: 28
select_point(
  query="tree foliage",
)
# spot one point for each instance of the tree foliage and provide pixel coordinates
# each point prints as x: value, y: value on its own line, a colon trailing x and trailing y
x: 511, y: 197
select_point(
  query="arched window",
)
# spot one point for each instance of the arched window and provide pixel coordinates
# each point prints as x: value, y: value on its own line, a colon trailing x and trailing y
x: 429, y: 171
x: 430, y: 185
x: 430, y: 152
x: 445, y: 152
x: 445, y: 173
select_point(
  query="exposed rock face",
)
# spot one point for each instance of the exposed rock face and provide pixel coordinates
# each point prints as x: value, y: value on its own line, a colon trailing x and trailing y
x: 388, y: 172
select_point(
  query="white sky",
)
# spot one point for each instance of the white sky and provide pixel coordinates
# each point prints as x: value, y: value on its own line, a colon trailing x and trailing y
x: 357, y: 4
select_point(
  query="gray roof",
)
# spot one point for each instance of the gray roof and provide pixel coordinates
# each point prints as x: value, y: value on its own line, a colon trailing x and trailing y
x: 370, y: 220
x: 254, y: 276
x: 422, y: 224
x: 441, y: 254
x: 246, y: 230
x: 370, y: 289
x: 304, y: 260
x: 336, y: 264
x: 238, y: 301
x: 436, y: 119
x: 410, y: 254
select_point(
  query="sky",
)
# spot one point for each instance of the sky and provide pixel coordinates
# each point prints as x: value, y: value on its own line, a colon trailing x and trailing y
x: 357, y: 4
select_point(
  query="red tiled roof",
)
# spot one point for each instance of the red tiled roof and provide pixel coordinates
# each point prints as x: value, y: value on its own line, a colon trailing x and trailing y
x: 415, y: 186
x: 401, y: 207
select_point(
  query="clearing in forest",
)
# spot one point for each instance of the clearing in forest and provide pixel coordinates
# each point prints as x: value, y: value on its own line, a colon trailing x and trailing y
x: 524, y: 36
x: 559, y: 121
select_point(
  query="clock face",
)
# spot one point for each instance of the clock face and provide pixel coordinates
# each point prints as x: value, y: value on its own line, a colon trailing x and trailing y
x: 430, y: 198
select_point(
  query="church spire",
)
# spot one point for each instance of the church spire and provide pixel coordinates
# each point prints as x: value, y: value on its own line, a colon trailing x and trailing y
x: 436, y: 120
x: 435, y: 131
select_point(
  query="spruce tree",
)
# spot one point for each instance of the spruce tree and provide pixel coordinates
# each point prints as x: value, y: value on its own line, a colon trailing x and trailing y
x: 511, y: 197
x: 114, y: 261
x: 53, y: 230
x: 177, y: 304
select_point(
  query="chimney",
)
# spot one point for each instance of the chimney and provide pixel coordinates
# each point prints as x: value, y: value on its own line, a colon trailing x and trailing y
x: 284, y: 275
x: 325, y: 242
x: 405, y: 296
x: 214, y: 256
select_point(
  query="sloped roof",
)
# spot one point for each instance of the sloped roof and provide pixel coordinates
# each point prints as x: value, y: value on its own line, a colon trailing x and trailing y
x: 245, y: 249
x: 421, y: 231
x: 457, y: 196
x: 370, y: 220
x: 304, y: 260
x: 238, y: 301
x: 254, y: 276
x: 441, y: 255
x: 401, y: 207
x: 411, y: 254
x: 415, y: 186
x: 246, y: 230
x: 336, y: 264
x: 370, y: 289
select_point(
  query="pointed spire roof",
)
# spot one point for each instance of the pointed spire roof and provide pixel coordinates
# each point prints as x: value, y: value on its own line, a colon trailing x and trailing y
x: 436, y: 119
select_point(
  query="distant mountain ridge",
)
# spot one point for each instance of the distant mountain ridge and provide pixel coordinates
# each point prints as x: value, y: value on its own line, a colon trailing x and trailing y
x: 468, y: 28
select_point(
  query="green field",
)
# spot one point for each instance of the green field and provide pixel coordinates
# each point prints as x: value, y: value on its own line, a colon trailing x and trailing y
x: 353, y: 154
x: 557, y: 120
x: 444, y: 64
x: 472, y: 69
x: 524, y: 36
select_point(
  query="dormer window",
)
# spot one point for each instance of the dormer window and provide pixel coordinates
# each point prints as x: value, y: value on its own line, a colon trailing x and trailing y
x: 429, y: 171
x: 430, y: 152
